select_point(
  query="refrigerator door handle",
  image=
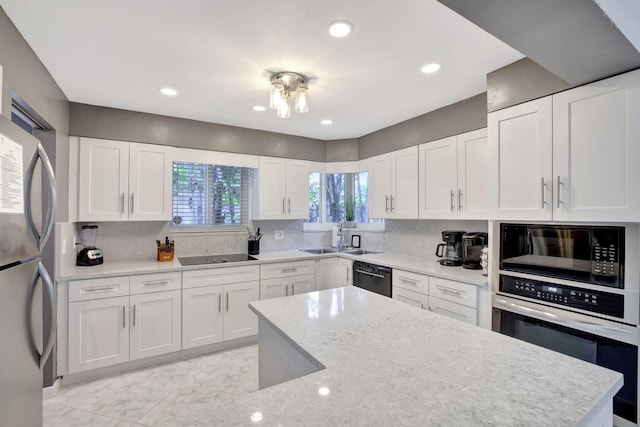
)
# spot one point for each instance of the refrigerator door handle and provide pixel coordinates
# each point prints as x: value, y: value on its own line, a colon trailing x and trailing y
x: 40, y: 239
x: 41, y: 273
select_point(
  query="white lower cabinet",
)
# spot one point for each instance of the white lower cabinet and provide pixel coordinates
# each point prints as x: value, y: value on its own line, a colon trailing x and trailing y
x: 287, y: 278
x: 107, y: 325
x: 447, y: 297
x: 345, y: 272
x: 215, y: 304
x: 327, y: 273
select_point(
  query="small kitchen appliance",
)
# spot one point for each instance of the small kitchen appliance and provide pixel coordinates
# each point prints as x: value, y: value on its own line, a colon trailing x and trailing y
x: 89, y: 255
x: 472, y: 244
x: 451, y: 250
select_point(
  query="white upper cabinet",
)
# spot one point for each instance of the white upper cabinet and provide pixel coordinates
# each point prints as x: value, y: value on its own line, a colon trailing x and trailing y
x: 520, y: 150
x: 596, y: 151
x: 120, y: 181
x: 453, y: 177
x: 283, y: 189
x: 572, y: 156
x: 393, y: 184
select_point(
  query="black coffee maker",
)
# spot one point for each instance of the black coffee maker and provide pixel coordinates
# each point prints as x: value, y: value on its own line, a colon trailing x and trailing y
x: 472, y: 244
x: 451, y: 250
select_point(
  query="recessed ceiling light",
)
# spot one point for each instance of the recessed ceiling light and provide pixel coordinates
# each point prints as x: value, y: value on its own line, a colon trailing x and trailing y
x: 258, y: 108
x: 326, y: 122
x: 168, y: 91
x: 431, y: 68
x: 340, y: 29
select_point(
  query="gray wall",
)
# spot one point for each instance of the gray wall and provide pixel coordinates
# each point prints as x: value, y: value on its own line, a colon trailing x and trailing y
x: 342, y: 150
x: 467, y: 115
x: 24, y: 75
x: 111, y: 123
x: 519, y: 82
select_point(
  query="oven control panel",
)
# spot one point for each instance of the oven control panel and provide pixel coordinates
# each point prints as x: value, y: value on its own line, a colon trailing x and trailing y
x: 568, y: 296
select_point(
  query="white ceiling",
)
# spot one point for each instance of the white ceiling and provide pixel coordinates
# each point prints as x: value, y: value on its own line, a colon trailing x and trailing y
x: 220, y: 54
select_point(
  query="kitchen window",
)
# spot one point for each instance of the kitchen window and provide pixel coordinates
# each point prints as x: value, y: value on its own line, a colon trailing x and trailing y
x: 210, y: 197
x: 339, y: 197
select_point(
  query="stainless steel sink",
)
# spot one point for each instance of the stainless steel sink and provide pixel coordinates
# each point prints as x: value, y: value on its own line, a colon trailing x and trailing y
x: 344, y: 251
x: 320, y: 250
x: 214, y: 259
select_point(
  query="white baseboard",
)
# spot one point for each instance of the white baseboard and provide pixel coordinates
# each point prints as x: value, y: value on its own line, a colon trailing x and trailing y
x: 51, y: 392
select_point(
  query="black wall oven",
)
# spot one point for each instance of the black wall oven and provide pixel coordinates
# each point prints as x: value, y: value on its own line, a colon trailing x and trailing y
x: 564, y: 287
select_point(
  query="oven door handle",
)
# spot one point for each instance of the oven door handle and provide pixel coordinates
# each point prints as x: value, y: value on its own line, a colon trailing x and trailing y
x: 575, y: 324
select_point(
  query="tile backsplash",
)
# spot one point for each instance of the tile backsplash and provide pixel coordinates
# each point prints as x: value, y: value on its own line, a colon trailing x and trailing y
x: 133, y: 241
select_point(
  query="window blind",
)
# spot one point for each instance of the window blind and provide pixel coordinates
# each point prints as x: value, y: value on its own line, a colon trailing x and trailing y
x: 210, y: 196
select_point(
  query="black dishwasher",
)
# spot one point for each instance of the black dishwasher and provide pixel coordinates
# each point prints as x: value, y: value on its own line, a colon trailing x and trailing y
x: 374, y: 278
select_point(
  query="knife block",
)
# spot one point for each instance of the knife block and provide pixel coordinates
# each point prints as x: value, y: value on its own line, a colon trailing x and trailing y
x: 165, y: 253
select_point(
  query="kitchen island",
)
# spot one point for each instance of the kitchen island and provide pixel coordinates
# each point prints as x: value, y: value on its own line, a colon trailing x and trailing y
x: 375, y: 361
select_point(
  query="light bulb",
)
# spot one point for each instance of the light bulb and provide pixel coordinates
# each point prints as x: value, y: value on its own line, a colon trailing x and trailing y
x: 276, y: 94
x: 302, y: 99
x: 284, y: 109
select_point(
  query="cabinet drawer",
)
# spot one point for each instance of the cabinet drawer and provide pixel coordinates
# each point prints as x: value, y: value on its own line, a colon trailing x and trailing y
x: 453, y: 310
x: 415, y: 299
x: 107, y: 287
x: 410, y: 281
x: 146, y: 283
x: 460, y: 293
x: 285, y: 269
x: 220, y: 276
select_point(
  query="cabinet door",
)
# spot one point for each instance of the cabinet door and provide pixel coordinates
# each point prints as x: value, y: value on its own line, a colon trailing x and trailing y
x: 239, y: 320
x: 201, y: 316
x: 345, y: 273
x: 327, y: 276
x: 156, y: 324
x: 98, y: 333
x: 150, y: 182
x: 274, y: 288
x: 271, y: 188
x: 520, y: 150
x: 438, y: 177
x: 297, y: 189
x: 415, y: 299
x: 302, y: 284
x: 379, y: 186
x: 453, y: 310
x: 473, y: 162
x: 403, y: 201
x: 103, y: 180
x: 596, y: 151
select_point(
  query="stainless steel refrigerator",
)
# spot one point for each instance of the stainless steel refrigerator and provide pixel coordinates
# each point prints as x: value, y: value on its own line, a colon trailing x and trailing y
x: 25, y: 171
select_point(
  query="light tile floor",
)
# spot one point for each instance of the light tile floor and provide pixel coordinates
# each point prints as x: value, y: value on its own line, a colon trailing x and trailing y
x: 154, y: 396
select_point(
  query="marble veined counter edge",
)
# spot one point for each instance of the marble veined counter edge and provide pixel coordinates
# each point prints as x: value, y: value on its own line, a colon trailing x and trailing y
x: 388, y: 363
x: 422, y: 265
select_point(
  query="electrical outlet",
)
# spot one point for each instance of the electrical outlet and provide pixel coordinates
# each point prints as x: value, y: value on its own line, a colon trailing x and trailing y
x: 278, y: 235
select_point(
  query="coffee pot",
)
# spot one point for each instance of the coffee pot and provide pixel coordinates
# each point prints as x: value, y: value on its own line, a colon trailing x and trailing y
x: 451, y: 250
x: 472, y: 244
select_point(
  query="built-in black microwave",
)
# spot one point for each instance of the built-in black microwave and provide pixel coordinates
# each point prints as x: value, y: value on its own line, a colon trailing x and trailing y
x: 589, y: 254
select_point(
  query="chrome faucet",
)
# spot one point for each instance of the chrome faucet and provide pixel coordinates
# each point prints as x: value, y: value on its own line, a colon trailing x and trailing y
x: 341, y: 242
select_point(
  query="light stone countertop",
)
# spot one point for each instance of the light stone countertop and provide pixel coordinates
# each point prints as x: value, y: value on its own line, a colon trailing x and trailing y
x: 417, y: 264
x: 391, y: 364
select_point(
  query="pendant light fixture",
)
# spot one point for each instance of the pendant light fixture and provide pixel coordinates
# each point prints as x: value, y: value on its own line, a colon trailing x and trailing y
x: 284, y: 86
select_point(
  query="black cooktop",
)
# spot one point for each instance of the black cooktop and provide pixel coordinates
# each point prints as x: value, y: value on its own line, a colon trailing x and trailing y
x: 214, y: 259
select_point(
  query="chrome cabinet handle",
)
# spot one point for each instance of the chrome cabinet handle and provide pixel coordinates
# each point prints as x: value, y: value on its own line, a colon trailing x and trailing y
x: 286, y: 290
x: 283, y: 205
x: 543, y: 186
x: 134, y: 315
x: 451, y: 198
x: 289, y: 269
x: 103, y: 289
x: 293, y: 289
x: 459, y: 200
x: 131, y: 207
x: 122, y: 203
x: 124, y: 317
x: 348, y: 271
x: 40, y: 239
x: 164, y: 282
x: 558, y: 193
x: 227, y: 301
x: 289, y: 204
x: 219, y: 303
x: 386, y: 203
x: 449, y: 291
x: 408, y: 282
x: 391, y: 198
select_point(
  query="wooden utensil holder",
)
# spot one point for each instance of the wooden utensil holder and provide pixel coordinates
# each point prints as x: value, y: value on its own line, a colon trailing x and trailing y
x: 165, y: 253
